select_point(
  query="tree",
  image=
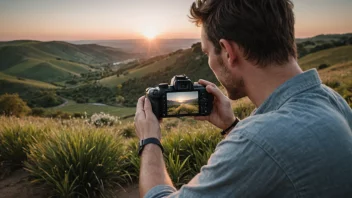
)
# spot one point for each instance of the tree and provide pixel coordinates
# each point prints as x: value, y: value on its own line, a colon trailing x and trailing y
x: 13, y: 105
x: 120, y: 99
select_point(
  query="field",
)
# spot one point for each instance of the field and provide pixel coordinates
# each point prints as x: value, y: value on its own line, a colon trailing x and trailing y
x: 183, y: 109
x: 73, y: 107
x: 67, y: 158
x: 330, y: 57
x: 24, y: 81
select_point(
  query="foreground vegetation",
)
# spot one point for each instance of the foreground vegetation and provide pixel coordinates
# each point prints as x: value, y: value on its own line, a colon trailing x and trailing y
x: 73, y: 158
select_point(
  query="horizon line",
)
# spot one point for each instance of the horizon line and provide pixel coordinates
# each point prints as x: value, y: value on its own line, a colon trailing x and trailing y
x: 129, y: 39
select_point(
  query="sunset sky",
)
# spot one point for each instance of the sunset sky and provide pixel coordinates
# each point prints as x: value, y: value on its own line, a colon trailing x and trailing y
x: 131, y: 19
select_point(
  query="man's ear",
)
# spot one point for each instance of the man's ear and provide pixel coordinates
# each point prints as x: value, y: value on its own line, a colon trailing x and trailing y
x: 229, y: 49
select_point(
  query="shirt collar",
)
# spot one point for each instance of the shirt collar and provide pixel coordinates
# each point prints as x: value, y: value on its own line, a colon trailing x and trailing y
x: 290, y: 88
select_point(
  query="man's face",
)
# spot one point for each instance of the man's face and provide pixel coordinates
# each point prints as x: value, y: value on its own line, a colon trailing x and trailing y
x: 220, y: 66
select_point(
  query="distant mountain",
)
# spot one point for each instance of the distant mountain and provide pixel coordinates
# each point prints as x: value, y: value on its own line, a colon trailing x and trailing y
x: 144, y: 47
x: 324, y: 37
x: 54, y: 61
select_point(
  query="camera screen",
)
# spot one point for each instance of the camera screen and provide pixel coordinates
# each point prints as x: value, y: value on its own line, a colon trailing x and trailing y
x: 182, y: 103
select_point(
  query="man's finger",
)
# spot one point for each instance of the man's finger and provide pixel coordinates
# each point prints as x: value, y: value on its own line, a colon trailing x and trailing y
x: 140, y: 106
x: 205, y: 83
x: 216, y: 92
x: 148, y: 108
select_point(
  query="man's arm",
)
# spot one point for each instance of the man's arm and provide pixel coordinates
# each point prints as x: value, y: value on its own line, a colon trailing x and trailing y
x: 237, y: 168
x: 153, y: 171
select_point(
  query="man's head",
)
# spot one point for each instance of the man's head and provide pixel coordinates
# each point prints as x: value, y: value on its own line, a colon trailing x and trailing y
x: 236, y: 33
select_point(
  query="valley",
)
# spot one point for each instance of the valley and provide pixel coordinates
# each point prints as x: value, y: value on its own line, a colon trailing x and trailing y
x: 88, y: 73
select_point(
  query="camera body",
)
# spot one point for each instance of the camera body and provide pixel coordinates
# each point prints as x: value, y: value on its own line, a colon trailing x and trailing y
x: 181, y: 98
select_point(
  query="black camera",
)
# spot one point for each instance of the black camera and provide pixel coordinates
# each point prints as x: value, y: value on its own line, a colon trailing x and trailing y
x: 181, y: 98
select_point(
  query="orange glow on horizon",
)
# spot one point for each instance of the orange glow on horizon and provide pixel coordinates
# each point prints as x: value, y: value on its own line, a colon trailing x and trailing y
x: 150, y: 33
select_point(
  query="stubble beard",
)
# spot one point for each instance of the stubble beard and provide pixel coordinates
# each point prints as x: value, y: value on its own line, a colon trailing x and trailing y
x: 234, y: 87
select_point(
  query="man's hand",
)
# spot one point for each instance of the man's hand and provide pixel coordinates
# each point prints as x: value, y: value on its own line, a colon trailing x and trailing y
x: 222, y: 115
x: 146, y: 123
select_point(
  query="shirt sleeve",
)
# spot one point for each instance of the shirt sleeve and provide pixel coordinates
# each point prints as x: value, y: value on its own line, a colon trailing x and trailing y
x: 237, y: 168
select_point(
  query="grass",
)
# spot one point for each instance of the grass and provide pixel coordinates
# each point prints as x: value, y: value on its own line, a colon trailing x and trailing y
x: 75, y: 159
x: 332, y: 56
x: 73, y: 107
x: 77, y: 162
x: 25, y: 81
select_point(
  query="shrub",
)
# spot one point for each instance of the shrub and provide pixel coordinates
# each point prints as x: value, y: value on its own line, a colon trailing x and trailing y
x: 13, y: 105
x: 132, y: 158
x: 78, y: 163
x: 103, y: 119
x: 61, y: 115
x: 79, y: 115
x: 38, y: 112
x: 187, y: 152
x: 15, y: 140
x: 128, y: 131
x: 44, y: 99
x: 178, y: 169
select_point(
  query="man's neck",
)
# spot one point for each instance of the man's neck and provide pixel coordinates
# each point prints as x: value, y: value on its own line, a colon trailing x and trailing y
x: 262, y: 82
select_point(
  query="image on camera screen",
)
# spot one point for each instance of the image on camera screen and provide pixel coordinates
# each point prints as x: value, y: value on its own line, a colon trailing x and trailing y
x: 182, y: 103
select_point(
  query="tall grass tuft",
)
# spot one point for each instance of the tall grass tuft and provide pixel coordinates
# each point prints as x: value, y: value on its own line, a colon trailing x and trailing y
x: 243, y: 108
x: 78, y: 163
x: 187, y: 148
x: 14, y: 142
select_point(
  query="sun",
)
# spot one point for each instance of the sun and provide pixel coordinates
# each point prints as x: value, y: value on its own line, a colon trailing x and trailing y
x: 150, y: 33
x: 181, y: 100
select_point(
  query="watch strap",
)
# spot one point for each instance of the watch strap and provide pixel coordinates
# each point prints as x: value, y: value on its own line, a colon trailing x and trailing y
x: 224, y: 132
x: 144, y: 142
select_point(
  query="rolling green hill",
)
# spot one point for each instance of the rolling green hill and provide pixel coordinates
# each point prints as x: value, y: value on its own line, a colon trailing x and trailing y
x: 330, y: 57
x: 324, y: 38
x: 337, y: 61
x: 59, y: 61
x: 140, y: 71
x: 54, y: 61
x: 23, y: 81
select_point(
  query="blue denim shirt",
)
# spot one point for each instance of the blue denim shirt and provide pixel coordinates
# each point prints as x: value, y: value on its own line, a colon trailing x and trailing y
x: 298, y: 143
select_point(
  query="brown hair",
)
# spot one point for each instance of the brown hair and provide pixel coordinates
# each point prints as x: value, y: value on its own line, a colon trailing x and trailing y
x: 264, y: 29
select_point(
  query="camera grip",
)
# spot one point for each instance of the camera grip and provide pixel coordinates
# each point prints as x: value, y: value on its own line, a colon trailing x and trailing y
x: 155, y: 102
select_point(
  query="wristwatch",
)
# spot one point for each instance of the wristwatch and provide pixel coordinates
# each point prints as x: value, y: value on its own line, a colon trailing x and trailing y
x: 144, y: 142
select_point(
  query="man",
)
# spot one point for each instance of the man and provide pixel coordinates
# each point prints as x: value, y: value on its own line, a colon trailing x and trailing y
x: 297, y: 143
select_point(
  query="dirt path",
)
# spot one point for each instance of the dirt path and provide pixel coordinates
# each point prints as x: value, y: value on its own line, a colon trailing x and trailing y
x: 17, y: 185
x: 63, y: 104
